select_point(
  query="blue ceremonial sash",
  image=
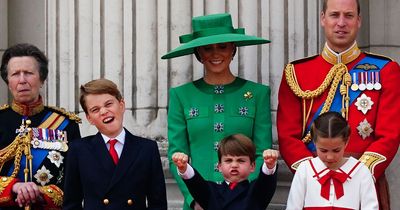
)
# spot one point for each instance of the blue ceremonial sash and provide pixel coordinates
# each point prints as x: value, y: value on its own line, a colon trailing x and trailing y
x: 38, y: 154
x: 337, y: 100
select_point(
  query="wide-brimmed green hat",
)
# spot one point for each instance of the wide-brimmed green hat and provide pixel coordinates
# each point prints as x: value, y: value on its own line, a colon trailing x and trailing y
x: 212, y: 29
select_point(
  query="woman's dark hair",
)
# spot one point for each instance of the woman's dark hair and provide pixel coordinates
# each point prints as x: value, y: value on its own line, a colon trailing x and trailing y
x: 21, y: 50
x: 196, y: 53
x: 330, y: 125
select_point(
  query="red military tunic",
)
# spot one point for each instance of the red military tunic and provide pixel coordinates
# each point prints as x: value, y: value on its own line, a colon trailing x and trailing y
x: 375, y: 134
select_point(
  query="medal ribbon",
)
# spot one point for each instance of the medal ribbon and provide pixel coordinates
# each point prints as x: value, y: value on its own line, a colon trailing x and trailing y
x: 51, y: 119
x: 337, y: 100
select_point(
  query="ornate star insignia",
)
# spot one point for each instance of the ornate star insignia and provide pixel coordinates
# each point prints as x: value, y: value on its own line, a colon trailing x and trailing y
x: 364, y: 103
x: 364, y: 129
x: 43, y: 176
x: 56, y: 158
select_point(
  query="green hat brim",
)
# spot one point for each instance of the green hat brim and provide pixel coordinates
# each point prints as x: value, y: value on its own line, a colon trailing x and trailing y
x: 238, y: 39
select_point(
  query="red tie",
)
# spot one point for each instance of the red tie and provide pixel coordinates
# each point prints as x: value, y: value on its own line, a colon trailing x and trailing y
x: 337, y: 178
x: 113, y: 152
x: 232, y: 185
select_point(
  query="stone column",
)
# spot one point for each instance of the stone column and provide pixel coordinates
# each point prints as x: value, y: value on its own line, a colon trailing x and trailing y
x: 124, y: 40
x: 3, y: 45
x: 384, y: 33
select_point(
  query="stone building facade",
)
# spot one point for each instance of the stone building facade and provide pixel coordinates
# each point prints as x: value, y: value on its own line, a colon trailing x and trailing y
x: 123, y: 40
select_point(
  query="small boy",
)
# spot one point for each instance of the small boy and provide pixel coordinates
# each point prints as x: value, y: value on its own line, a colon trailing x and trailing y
x: 236, y: 160
x: 113, y: 169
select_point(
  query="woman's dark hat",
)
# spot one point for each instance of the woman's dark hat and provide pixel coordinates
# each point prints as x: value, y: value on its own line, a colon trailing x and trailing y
x: 212, y: 29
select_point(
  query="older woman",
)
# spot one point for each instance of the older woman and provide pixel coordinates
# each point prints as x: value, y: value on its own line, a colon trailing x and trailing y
x: 33, y: 137
x: 202, y: 112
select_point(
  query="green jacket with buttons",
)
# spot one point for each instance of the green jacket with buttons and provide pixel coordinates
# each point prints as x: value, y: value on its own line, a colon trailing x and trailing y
x: 200, y: 115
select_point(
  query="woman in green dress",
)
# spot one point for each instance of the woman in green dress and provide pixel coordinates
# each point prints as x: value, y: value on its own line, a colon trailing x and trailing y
x: 204, y: 111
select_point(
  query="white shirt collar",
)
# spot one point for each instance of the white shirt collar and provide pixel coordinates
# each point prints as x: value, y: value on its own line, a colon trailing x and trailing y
x: 120, y: 137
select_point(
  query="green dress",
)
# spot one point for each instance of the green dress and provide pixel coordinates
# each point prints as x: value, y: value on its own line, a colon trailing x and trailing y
x: 200, y: 115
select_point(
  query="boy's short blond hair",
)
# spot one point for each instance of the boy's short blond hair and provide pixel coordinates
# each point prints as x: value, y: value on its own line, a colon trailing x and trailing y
x: 98, y: 87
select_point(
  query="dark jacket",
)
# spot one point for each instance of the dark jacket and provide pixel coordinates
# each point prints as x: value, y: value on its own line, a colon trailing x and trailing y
x: 92, y: 177
x: 245, y: 196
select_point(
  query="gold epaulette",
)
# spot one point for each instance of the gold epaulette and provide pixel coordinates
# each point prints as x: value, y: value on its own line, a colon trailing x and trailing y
x: 379, y: 56
x: 4, y: 106
x: 371, y: 159
x: 70, y: 115
x: 301, y: 60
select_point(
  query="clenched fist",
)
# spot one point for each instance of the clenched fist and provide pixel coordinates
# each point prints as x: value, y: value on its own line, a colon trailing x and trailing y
x: 270, y: 157
x: 180, y: 160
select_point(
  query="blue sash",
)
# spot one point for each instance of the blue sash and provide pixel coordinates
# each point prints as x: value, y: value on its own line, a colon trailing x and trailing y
x: 38, y: 154
x: 337, y: 100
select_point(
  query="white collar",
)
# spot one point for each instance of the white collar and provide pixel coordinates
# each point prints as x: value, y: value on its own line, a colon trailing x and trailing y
x: 120, y: 137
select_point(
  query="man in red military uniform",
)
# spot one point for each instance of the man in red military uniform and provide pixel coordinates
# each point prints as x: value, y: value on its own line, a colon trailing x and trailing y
x: 361, y: 86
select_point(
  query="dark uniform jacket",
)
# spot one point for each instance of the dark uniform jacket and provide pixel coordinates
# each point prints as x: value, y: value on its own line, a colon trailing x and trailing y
x: 51, y: 130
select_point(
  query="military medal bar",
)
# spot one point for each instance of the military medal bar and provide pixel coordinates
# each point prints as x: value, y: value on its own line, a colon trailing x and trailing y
x: 365, y: 81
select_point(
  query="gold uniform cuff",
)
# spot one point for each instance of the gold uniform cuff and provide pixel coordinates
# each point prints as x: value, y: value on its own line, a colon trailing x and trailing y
x: 54, y: 193
x: 371, y: 159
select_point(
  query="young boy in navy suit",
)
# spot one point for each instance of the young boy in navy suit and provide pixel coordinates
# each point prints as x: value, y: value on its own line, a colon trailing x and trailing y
x: 112, y: 169
x: 236, y: 160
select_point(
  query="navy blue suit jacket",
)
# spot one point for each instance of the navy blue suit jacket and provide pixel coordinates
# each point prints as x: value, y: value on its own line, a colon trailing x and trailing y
x: 254, y: 195
x: 92, y: 177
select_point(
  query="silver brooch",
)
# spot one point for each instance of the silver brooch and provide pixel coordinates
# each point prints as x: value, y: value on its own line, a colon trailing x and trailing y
x: 216, y: 169
x: 218, y: 127
x: 193, y: 112
x: 218, y: 89
x: 216, y: 145
x: 244, y: 111
x: 218, y: 108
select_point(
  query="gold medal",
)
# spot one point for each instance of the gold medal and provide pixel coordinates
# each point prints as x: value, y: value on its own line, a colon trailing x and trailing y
x: 354, y: 86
